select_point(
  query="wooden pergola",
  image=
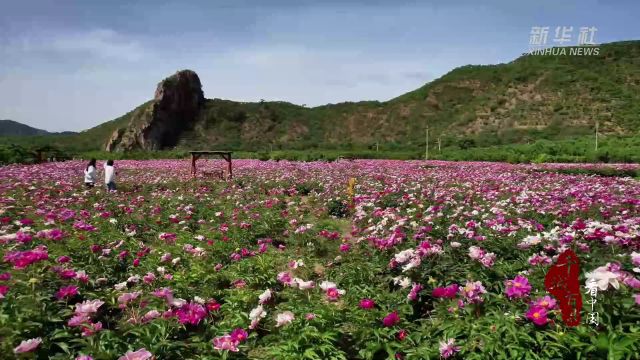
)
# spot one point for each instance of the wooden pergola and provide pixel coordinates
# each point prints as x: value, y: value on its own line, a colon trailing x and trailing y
x: 226, y: 155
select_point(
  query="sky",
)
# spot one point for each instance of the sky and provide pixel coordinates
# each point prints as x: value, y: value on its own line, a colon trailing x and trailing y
x: 71, y: 65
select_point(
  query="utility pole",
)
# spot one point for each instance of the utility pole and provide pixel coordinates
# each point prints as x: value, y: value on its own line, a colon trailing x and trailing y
x: 439, y: 145
x: 426, y: 149
x: 376, y: 146
x: 597, y: 124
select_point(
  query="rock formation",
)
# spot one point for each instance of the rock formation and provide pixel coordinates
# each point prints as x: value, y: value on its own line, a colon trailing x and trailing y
x: 177, y: 102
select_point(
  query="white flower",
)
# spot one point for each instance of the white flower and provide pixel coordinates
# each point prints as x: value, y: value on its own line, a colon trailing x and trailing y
x: 161, y: 270
x: 175, y: 261
x: 265, y: 296
x: 304, y: 285
x: 404, y: 256
x: 120, y: 286
x: 327, y: 285
x: 113, y: 221
x: 198, y: 299
x: 257, y: 313
x: 404, y: 282
x: 455, y: 244
x: 177, y: 302
x: 603, y: 278
x: 284, y: 318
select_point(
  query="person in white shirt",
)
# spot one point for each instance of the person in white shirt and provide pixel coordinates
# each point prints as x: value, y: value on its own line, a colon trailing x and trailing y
x: 110, y: 175
x: 90, y: 174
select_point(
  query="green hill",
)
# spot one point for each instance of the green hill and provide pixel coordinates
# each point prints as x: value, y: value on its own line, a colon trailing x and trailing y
x: 551, y: 97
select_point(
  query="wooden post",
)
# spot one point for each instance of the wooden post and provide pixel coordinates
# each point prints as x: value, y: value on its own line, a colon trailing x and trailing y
x: 230, y: 168
x: 193, y: 164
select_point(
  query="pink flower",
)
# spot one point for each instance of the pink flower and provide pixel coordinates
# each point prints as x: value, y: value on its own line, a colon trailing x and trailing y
x: 239, y: 283
x: 84, y: 357
x: 152, y: 314
x: 126, y: 298
x: 239, y: 335
x: 637, y: 297
x: 63, y: 259
x: 191, y: 313
x: 546, y: 302
x: 149, y: 278
x: 5, y: 276
x: 78, y: 319
x: 225, y: 342
x: 415, y: 290
x: 22, y: 259
x: 310, y: 316
x: 476, y: 253
x: 90, y: 329
x: 518, y: 287
x: 4, y: 289
x: 391, y: 319
x: 141, y: 354
x: 67, y: 274
x: 447, y: 348
x: 488, y: 260
x: 448, y: 292
x: 27, y: 345
x: 472, y: 291
x: 334, y: 294
x: 82, y: 276
x: 284, y: 318
x: 345, y: 247
x: 367, y: 304
x: 285, y: 278
x: 168, y: 237
x: 538, y: 315
x: 88, y: 307
x: 66, y: 292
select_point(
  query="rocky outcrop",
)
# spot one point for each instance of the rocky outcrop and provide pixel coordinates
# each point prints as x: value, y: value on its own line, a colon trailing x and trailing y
x: 177, y: 102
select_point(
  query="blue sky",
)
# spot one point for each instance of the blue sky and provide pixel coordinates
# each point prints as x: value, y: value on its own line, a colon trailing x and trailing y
x: 71, y: 65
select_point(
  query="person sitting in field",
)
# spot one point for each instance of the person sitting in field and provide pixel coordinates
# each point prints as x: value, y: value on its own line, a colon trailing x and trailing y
x: 90, y: 173
x: 109, y: 175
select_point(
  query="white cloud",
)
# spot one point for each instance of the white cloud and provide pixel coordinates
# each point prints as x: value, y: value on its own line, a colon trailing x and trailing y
x: 104, y: 44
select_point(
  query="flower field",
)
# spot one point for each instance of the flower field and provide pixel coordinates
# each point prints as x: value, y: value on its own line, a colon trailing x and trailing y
x: 291, y: 260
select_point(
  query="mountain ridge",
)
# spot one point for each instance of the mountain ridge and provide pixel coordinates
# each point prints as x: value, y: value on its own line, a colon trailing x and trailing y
x: 15, y: 128
x: 532, y: 97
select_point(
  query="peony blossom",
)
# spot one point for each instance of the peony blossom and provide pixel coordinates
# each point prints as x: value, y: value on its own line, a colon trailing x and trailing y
x: 603, y: 278
x: 448, y: 348
x: 284, y: 318
x: 265, y: 297
x: 472, y: 291
x: 518, y: 287
x: 546, y: 302
x: 537, y: 315
x: 391, y: 319
x: 88, y: 307
x: 27, y: 345
x: 66, y: 292
x: 141, y: 354
x: 367, y: 304
x: 225, y: 342
x: 191, y: 313
x: 448, y: 292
